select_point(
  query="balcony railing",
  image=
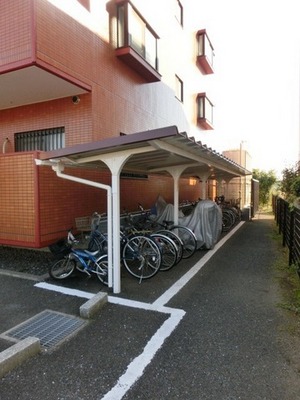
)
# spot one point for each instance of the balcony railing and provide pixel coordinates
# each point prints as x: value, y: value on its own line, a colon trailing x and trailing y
x: 205, y: 56
x: 136, y: 42
x: 204, y: 112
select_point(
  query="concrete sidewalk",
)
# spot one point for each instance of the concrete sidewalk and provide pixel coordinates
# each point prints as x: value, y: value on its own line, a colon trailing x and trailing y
x: 209, y: 329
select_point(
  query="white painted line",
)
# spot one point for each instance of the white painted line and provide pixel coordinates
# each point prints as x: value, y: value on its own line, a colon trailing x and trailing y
x: 178, y: 285
x: 136, y: 368
x: 64, y: 290
x: 138, y: 304
x: 129, y: 303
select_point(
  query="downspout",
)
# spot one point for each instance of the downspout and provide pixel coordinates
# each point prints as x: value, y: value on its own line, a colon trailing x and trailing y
x: 58, y: 168
x: 6, y: 141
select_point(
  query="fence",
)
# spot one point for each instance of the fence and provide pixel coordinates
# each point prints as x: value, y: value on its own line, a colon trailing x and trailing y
x: 288, y: 222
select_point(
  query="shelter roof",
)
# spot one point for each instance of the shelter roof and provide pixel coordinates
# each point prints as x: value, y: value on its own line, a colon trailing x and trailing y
x: 151, y: 152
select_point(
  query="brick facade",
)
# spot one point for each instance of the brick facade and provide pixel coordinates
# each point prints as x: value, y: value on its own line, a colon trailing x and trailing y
x: 37, y: 207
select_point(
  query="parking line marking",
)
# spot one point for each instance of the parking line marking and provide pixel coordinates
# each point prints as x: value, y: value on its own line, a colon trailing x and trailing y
x: 136, y: 368
x: 178, y: 285
x: 65, y: 290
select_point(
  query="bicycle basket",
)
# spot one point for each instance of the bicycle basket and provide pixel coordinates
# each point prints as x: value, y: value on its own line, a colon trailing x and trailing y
x: 60, y: 248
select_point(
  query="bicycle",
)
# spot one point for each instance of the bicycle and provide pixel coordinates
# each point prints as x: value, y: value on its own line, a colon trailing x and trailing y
x: 97, y: 239
x: 230, y: 214
x: 185, y: 234
x: 140, y: 255
x: 71, y: 259
x: 168, y: 248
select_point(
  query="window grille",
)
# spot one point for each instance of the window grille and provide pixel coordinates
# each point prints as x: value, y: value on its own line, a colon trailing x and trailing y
x: 44, y: 140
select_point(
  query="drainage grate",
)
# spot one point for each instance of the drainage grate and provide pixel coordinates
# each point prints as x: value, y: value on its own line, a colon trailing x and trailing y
x: 49, y: 327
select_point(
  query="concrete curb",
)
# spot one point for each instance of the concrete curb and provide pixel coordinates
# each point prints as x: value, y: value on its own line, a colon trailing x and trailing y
x: 92, y: 306
x: 23, y: 275
x: 18, y: 353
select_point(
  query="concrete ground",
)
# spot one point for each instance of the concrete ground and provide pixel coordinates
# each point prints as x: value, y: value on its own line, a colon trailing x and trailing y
x: 208, y: 329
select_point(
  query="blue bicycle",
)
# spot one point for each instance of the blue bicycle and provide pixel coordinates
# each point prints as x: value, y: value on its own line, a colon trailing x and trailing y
x: 71, y: 259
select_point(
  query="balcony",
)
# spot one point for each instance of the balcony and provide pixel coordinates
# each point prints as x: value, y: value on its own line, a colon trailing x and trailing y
x: 205, y: 54
x: 136, y: 42
x: 28, y: 75
x: 130, y: 57
x: 204, y: 112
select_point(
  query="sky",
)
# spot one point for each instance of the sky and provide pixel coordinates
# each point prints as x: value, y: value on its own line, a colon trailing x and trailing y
x: 255, y: 85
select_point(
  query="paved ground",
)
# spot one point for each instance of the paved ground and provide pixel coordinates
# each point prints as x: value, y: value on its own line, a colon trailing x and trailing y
x: 209, y: 329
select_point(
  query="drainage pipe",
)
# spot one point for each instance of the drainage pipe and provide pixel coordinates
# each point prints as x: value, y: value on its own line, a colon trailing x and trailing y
x: 58, y: 168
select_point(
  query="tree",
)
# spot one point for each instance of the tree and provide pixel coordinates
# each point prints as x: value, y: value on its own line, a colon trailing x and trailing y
x: 266, y: 182
x: 290, y: 184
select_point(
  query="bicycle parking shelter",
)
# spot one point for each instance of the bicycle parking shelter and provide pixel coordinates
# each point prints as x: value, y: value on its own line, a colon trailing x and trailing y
x: 158, y: 151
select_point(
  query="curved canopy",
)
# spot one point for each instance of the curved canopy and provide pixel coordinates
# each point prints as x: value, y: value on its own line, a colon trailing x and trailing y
x: 159, y: 151
x: 153, y: 151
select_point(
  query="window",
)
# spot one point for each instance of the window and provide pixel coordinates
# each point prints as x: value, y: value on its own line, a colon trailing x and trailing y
x: 205, y: 56
x: 179, y: 88
x: 204, y: 112
x: 44, y: 140
x: 136, y: 42
x: 179, y: 12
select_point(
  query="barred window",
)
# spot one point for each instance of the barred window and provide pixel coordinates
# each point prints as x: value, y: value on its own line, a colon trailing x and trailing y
x: 44, y: 140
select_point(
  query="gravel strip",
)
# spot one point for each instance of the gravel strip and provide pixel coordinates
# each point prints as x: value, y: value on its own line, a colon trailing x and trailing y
x: 35, y: 262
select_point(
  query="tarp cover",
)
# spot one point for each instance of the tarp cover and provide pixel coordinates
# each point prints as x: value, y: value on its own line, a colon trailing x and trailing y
x: 205, y: 220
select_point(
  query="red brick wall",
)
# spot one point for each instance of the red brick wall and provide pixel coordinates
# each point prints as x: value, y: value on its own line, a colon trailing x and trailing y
x: 17, y: 211
x: 37, y: 207
x: 61, y: 201
x: 16, y: 32
x: 76, y: 120
x: 134, y: 191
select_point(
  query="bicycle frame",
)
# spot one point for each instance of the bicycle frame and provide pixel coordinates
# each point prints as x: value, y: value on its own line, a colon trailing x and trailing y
x: 84, y: 257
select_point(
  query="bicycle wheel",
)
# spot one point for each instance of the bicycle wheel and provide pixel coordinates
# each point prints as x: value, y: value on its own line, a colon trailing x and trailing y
x: 101, y: 269
x: 98, y: 243
x: 188, y: 239
x: 141, y: 257
x: 227, y: 221
x: 176, y: 239
x: 168, y: 251
x: 62, y: 268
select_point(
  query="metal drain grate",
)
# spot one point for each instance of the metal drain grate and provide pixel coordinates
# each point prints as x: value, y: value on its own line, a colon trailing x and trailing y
x: 49, y: 327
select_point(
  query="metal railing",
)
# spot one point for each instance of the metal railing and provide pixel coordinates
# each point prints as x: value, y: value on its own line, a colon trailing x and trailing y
x: 288, y: 222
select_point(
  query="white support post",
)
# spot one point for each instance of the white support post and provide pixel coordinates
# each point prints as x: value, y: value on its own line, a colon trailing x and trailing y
x: 219, y: 186
x: 226, y: 190
x: 176, y: 173
x: 204, y: 177
x: 116, y: 232
x: 115, y: 163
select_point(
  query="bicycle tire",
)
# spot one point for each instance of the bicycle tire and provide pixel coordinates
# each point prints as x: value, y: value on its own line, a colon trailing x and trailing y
x: 141, y: 257
x: 62, y: 268
x: 101, y: 269
x: 176, y: 239
x: 188, y: 239
x: 227, y: 222
x: 168, y: 251
x: 98, y: 243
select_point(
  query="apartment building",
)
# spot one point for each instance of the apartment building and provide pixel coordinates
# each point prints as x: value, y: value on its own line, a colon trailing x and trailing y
x: 79, y: 72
